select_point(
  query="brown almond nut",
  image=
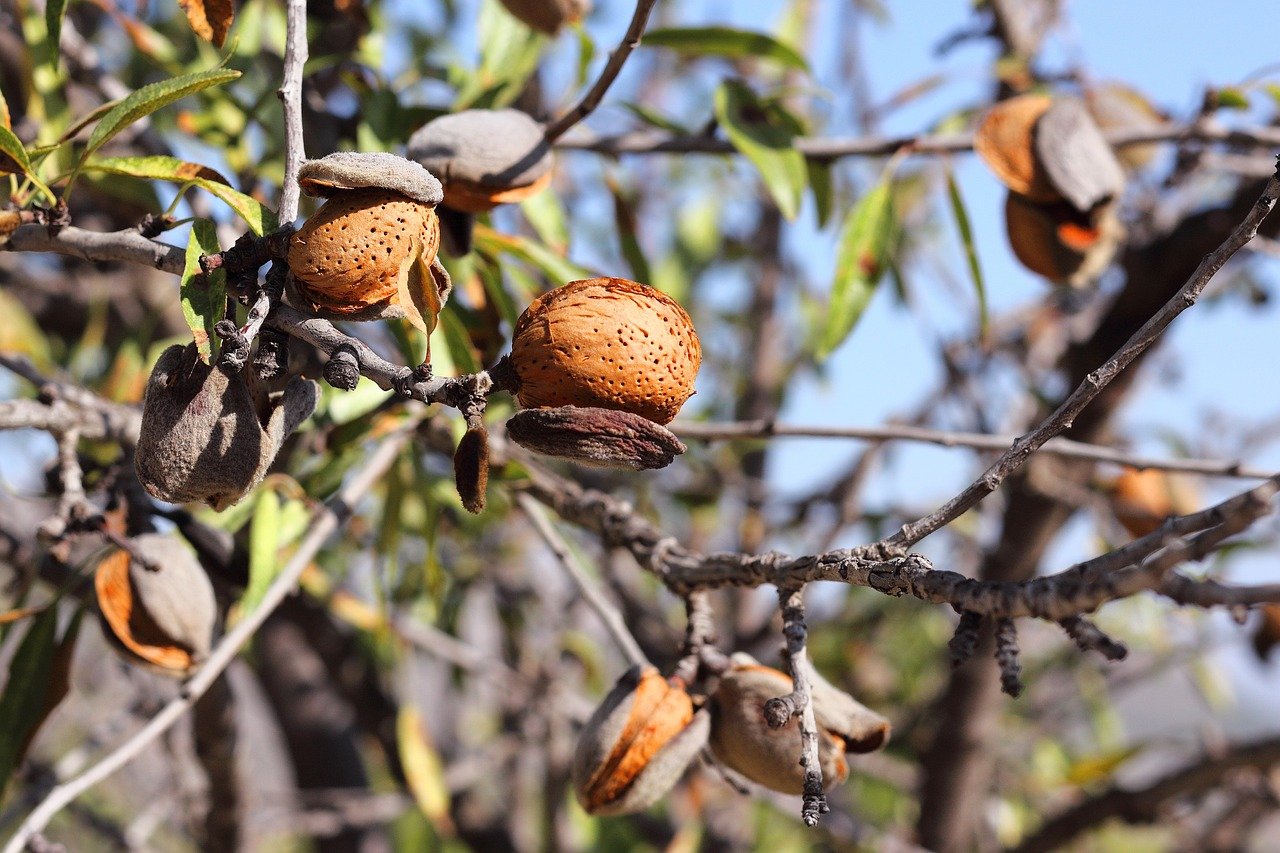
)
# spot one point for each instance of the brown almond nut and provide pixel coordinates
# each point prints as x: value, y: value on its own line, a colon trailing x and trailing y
x: 1005, y: 140
x: 742, y: 739
x: 548, y: 16
x: 202, y: 438
x: 1055, y: 241
x: 601, y: 438
x: 484, y: 158
x: 161, y: 611
x: 1267, y: 634
x: 367, y: 254
x: 637, y: 744
x: 1073, y: 153
x: 607, y: 343
x: 1142, y: 500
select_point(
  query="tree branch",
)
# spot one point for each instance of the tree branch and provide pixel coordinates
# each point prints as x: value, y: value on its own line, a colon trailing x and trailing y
x: 630, y: 41
x: 290, y: 94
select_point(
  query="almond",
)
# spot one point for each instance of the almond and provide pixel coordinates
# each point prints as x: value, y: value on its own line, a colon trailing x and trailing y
x: 1055, y: 241
x: 637, y: 744
x: 1005, y: 140
x: 607, y: 343
x: 1142, y: 500
x: 600, y: 438
x: 162, y: 613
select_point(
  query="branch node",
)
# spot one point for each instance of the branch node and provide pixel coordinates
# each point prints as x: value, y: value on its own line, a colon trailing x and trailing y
x: 342, y: 370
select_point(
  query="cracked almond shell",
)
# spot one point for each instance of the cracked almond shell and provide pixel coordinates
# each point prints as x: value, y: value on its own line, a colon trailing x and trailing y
x: 202, y: 438
x: 1055, y: 241
x: 742, y: 739
x: 162, y: 613
x: 484, y: 158
x: 548, y: 16
x: 1006, y: 142
x: 607, y: 343
x: 637, y: 744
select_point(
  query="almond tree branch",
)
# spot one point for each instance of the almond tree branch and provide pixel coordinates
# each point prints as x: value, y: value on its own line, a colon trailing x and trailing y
x: 830, y: 148
x: 326, y: 520
x: 290, y: 94
x: 978, y: 441
x: 591, y: 594
x: 591, y: 100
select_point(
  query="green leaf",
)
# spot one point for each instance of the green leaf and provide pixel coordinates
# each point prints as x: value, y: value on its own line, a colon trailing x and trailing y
x: 765, y: 135
x: 147, y: 100
x: 727, y: 42
x: 13, y: 157
x: 264, y: 548
x: 860, y: 263
x: 22, y: 705
x: 555, y: 267
x: 655, y: 118
x: 1231, y: 98
x: 820, y: 181
x: 204, y: 298
x: 965, y: 228
x: 54, y: 11
x: 260, y: 218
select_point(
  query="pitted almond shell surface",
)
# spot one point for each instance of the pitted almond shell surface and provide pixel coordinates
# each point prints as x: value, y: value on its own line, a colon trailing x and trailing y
x: 163, y: 613
x: 742, y: 740
x: 637, y: 744
x: 1005, y: 140
x: 368, y: 254
x: 608, y: 343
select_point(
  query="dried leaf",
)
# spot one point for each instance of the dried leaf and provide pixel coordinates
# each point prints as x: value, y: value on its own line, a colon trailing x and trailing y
x: 423, y: 769
x: 210, y: 19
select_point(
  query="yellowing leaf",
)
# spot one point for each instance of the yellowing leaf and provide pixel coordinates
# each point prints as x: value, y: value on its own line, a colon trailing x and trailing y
x: 210, y: 19
x: 204, y: 298
x: 256, y: 215
x: 423, y: 769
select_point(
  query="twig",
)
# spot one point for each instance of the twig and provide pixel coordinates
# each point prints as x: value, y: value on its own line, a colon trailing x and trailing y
x: 128, y: 246
x: 630, y: 41
x: 779, y: 710
x: 1090, y: 638
x: 324, y: 522
x: 603, y: 608
x: 830, y: 148
x: 1007, y: 657
x: 290, y: 94
x: 979, y: 441
x: 1062, y: 419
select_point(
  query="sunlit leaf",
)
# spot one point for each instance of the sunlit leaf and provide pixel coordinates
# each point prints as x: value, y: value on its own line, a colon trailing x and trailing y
x: 204, y: 298
x: 860, y: 264
x: 655, y: 118
x: 557, y: 268
x: 726, y: 42
x: 1099, y: 768
x: 260, y: 218
x: 264, y: 549
x: 766, y: 137
x: 210, y: 19
x: 965, y: 229
x: 150, y: 98
x: 54, y: 11
x: 13, y: 158
x: 423, y: 769
x: 823, y: 186
x: 1232, y: 98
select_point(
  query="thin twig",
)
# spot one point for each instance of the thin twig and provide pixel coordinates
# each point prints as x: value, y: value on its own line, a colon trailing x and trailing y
x: 290, y: 94
x: 591, y: 100
x: 830, y: 148
x: 603, y: 608
x: 324, y: 522
x: 979, y: 441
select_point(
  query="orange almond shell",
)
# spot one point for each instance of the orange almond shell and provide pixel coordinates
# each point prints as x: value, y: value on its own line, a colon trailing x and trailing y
x: 1055, y: 241
x: 659, y: 712
x: 1005, y: 140
x: 1142, y: 500
x: 472, y: 197
x: 130, y: 623
x: 608, y: 343
x: 367, y: 251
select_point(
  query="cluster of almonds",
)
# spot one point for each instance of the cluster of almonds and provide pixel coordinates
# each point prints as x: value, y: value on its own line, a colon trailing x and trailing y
x: 648, y: 729
x: 1064, y: 183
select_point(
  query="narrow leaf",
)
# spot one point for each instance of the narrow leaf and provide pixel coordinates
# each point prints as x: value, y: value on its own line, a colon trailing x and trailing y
x: 23, y: 702
x: 727, y: 42
x: 260, y: 218
x: 965, y: 228
x: 264, y: 548
x: 54, y: 11
x: 13, y: 158
x: 423, y: 769
x: 204, y: 298
x: 860, y: 263
x: 555, y: 267
x: 766, y: 138
x: 823, y: 186
x: 210, y: 19
x: 150, y: 98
